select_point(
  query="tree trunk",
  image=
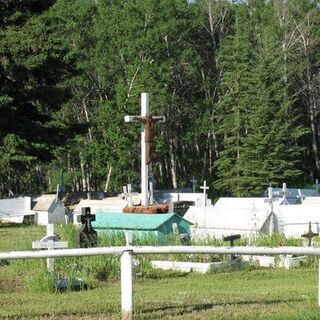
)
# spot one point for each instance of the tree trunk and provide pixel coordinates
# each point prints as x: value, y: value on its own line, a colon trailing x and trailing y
x: 312, y: 116
x: 108, y: 179
x: 83, y: 174
x: 85, y: 109
x: 173, y: 164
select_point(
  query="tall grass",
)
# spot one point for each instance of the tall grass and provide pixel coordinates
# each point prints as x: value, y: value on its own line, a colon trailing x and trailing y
x: 94, y: 271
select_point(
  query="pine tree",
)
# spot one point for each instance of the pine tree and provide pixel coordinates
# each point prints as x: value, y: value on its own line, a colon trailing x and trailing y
x: 236, y: 59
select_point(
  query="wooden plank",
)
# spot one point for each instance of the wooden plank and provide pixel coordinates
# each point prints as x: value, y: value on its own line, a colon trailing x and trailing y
x: 50, y: 244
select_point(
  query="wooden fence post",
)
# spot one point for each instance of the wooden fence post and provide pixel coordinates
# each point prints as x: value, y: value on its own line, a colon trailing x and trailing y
x: 126, y: 285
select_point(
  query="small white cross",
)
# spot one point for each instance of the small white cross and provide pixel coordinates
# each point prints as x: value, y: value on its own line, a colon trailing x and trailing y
x: 284, y: 194
x: 50, y: 242
x: 205, y: 188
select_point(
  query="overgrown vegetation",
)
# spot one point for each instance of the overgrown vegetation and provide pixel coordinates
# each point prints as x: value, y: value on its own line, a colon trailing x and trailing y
x: 95, y: 271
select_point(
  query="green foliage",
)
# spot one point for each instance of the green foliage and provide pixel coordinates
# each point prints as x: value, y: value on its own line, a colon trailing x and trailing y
x: 237, y: 81
x: 258, y: 119
x: 34, y: 63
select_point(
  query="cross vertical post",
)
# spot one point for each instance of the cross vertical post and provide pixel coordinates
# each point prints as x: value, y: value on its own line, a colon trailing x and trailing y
x: 205, y: 188
x: 50, y: 261
x: 144, y: 166
x: 271, y: 213
x: 284, y: 193
x: 147, y: 121
x: 284, y: 190
x: 270, y: 199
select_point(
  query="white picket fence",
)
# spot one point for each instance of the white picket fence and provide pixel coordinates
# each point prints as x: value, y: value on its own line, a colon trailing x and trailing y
x: 127, y: 253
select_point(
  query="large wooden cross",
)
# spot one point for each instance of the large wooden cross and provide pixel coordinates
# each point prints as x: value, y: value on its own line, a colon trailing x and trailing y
x: 147, y: 121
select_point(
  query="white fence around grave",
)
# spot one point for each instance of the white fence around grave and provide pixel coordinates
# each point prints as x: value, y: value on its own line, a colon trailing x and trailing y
x: 127, y: 253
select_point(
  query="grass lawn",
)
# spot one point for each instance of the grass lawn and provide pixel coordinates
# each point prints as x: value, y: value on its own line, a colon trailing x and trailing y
x: 252, y: 294
x: 257, y: 294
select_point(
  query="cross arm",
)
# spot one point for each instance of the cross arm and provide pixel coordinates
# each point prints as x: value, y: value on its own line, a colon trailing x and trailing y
x: 159, y: 118
x: 132, y: 119
x: 141, y: 118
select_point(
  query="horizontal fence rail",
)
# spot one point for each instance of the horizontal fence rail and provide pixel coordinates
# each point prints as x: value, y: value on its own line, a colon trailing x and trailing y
x: 127, y: 252
x: 307, y: 251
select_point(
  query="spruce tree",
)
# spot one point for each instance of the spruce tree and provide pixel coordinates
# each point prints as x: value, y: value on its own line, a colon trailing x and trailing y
x: 237, y: 97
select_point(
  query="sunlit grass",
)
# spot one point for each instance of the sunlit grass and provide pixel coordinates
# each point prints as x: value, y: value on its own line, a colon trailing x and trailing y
x: 27, y: 291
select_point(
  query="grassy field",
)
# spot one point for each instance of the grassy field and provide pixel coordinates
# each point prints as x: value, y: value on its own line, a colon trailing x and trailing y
x: 250, y: 294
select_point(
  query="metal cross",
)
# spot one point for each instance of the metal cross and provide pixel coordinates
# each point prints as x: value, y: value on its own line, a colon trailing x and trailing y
x: 309, y: 235
x: 147, y: 121
x: 87, y: 235
x: 232, y: 238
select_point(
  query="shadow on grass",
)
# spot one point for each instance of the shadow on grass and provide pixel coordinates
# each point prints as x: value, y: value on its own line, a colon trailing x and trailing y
x: 179, y: 310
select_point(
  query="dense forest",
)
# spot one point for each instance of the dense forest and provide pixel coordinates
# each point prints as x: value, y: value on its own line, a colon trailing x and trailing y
x: 238, y: 82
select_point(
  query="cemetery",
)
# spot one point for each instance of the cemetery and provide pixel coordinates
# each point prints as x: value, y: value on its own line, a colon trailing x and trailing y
x: 159, y: 159
x: 183, y: 238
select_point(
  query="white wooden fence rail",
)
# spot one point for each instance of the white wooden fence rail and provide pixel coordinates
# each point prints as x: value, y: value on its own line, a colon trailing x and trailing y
x: 127, y: 253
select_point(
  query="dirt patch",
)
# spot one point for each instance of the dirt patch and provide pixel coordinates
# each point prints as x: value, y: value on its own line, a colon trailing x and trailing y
x: 10, y: 285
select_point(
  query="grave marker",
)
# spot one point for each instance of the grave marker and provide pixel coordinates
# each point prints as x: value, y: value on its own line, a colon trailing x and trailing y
x: 205, y: 188
x: 284, y: 193
x: 310, y: 235
x: 232, y: 238
x: 147, y: 121
x: 87, y: 235
x: 50, y: 242
x: 270, y: 200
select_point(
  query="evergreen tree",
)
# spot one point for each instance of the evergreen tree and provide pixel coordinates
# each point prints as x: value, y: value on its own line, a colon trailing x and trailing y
x: 237, y: 97
x: 266, y: 150
x: 33, y: 64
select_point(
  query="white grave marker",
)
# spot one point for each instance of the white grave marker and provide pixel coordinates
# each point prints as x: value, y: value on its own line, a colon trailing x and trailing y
x: 284, y: 193
x: 50, y: 242
x: 146, y: 121
x: 205, y: 188
x: 270, y: 200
